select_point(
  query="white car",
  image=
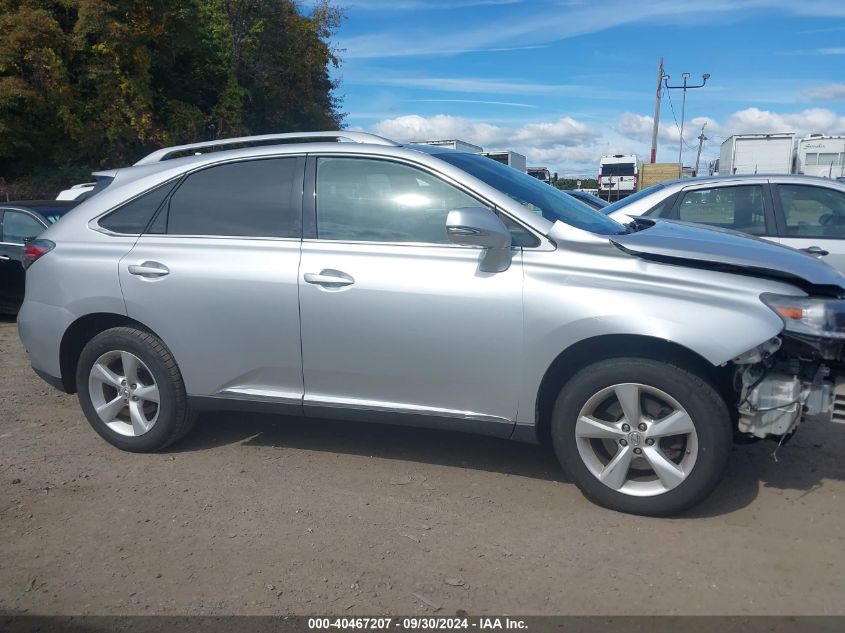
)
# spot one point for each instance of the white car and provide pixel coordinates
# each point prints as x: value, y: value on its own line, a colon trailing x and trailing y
x: 802, y: 212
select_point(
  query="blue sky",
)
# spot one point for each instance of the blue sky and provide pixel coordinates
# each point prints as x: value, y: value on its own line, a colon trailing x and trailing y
x: 566, y: 81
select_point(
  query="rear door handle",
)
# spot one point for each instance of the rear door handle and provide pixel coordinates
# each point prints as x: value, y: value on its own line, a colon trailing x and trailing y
x: 329, y: 279
x: 817, y: 251
x: 5, y: 258
x: 151, y: 270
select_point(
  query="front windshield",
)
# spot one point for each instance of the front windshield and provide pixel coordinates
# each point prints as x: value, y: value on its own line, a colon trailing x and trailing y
x: 632, y: 198
x: 536, y: 196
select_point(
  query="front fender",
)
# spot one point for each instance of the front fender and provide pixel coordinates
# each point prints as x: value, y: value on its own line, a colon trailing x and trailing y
x: 715, y: 315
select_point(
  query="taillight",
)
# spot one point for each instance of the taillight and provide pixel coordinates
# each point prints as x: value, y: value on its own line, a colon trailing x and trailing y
x: 35, y: 250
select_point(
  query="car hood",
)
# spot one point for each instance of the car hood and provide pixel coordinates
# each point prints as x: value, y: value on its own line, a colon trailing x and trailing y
x: 713, y: 248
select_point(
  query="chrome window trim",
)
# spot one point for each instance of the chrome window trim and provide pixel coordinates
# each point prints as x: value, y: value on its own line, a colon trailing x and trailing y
x: 544, y: 241
x: 262, y: 238
x: 317, y: 240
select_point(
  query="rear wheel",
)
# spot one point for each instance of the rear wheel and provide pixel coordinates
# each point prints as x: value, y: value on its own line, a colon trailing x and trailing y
x: 641, y: 436
x: 131, y: 390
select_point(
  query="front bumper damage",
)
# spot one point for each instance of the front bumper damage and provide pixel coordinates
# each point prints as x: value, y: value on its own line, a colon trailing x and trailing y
x: 786, y: 380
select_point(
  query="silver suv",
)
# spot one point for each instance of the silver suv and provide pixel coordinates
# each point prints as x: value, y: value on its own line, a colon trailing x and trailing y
x: 343, y: 275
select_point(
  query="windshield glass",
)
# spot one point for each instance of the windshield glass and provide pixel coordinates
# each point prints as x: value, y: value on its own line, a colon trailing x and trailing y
x: 632, y: 198
x: 533, y: 194
x: 618, y: 169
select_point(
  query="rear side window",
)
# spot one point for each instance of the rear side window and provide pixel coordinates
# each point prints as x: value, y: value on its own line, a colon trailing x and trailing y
x: 133, y: 217
x: 812, y: 211
x: 256, y: 198
x: 739, y: 208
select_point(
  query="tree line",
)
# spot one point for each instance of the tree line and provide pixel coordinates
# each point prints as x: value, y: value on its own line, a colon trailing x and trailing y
x: 88, y: 84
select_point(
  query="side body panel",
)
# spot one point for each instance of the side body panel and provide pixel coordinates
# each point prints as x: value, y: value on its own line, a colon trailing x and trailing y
x: 228, y: 310
x: 76, y: 278
x: 421, y: 331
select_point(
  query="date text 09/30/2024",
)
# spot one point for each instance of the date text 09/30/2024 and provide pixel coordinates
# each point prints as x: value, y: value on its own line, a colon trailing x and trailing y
x: 418, y: 623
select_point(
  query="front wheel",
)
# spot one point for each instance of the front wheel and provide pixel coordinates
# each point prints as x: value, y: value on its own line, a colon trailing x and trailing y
x: 131, y: 390
x: 641, y: 436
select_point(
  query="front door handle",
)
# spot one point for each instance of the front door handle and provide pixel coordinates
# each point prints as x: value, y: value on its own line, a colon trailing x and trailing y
x: 151, y: 270
x: 816, y: 251
x: 329, y: 279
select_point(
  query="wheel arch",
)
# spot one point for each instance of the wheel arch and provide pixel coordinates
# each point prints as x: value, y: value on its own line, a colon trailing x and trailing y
x: 604, y: 347
x: 81, y: 331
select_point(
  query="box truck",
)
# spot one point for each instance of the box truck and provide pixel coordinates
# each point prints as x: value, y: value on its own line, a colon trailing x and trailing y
x: 509, y: 158
x: 757, y: 154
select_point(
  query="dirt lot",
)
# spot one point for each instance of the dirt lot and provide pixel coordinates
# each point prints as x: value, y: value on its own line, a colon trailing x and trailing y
x: 263, y: 515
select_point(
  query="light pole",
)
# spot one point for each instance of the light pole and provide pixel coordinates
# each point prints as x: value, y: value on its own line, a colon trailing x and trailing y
x: 685, y: 86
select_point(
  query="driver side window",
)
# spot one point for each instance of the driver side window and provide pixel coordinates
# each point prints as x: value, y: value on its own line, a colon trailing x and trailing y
x: 812, y: 211
x: 360, y: 199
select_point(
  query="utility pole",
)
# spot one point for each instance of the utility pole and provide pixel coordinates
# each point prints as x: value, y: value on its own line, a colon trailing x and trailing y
x: 656, y: 123
x: 701, y: 139
x: 685, y: 86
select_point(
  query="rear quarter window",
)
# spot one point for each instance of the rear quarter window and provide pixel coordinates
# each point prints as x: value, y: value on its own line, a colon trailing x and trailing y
x: 133, y: 217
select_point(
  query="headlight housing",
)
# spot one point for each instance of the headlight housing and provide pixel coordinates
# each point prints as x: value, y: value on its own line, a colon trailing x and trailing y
x: 809, y: 316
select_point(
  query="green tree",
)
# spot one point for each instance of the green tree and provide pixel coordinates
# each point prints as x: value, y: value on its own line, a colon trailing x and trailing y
x: 94, y: 83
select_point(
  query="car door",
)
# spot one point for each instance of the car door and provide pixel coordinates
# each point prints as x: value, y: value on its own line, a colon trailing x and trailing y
x: 812, y: 218
x: 215, y: 275
x: 743, y: 206
x: 395, y: 319
x: 16, y: 227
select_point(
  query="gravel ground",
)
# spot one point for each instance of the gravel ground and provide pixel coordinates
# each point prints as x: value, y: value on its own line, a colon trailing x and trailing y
x: 266, y: 515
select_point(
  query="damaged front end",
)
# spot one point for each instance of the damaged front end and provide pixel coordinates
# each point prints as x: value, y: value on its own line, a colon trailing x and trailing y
x: 797, y: 374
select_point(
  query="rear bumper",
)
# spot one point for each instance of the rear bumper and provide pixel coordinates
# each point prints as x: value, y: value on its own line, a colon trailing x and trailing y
x: 53, y: 381
x: 41, y: 327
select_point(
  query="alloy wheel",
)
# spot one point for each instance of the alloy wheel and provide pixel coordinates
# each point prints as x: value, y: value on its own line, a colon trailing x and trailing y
x: 636, y: 439
x: 124, y: 393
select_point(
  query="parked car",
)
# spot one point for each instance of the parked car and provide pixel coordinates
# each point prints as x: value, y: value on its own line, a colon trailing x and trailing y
x: 589, y: 199
x: 373, y: 281
x: 20, y: 222
x: 802, y: 212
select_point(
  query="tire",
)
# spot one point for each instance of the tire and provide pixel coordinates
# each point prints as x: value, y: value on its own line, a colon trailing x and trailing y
x: 134, y: 368
x: 590, y: 404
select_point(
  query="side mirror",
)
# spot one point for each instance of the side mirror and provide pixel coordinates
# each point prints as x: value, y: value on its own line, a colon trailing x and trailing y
x: 480, y: 226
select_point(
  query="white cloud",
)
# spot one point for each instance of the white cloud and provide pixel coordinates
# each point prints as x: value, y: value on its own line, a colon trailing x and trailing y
x: 414, y: 127
x: 572, y: 147
x: 754, y: 120
x: 639, y: 127
x: 566, y: 132
x: 830, y: 92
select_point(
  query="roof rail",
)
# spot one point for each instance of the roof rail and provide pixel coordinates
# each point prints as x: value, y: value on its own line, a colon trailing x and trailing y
x: 177, y: 151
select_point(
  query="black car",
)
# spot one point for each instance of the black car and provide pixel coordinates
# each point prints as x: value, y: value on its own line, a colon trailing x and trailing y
x: 19, y: 223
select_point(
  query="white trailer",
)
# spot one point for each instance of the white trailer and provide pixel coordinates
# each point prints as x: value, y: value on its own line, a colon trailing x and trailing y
x: 757, y: 154
x: 820, y: 155
x: 461, y: 146
x: 509, y: 158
